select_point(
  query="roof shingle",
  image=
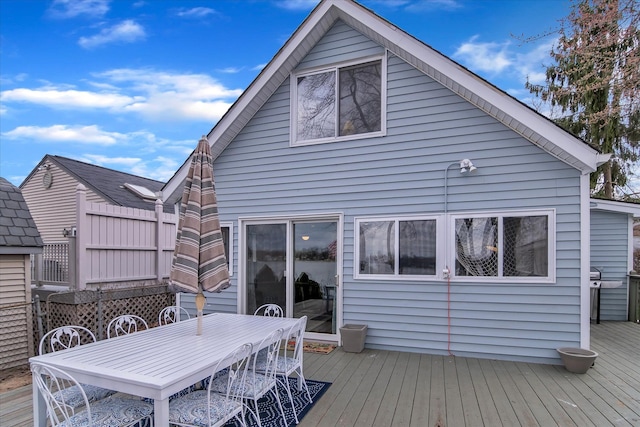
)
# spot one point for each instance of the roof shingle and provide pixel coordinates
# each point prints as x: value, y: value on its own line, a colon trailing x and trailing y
x: 18, y: 231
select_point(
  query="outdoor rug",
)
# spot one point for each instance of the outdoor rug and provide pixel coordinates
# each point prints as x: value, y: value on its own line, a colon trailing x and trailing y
x: 314, y: 347
x: 270, y: 414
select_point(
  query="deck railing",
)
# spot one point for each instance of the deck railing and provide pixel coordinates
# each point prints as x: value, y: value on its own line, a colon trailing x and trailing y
x: 52, y: 266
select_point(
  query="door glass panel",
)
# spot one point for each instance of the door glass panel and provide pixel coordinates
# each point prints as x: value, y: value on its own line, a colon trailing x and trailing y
x: 314, y: 271
x: 266, y: 265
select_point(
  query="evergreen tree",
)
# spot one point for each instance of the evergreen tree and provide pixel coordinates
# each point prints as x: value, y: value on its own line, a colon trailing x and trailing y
x: 594, y: 87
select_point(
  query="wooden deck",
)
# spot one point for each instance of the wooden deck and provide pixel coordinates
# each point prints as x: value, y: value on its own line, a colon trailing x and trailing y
x: 386, y: 388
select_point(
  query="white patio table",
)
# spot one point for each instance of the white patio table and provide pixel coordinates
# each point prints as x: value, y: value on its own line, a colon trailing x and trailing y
x: 158, y: 362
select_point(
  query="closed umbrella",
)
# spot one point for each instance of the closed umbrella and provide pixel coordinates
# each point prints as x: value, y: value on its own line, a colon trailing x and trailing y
x: 199, y: 261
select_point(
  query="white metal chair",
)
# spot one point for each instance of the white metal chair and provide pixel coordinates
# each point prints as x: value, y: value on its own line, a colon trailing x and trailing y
x: 290, y: 362
x: 258, y: 384
x: 125, y: 324
x: 172, y: 314
x: 189, y: 410
x: 269, y: 310
x: 53, y: 383
x: 63, y: 338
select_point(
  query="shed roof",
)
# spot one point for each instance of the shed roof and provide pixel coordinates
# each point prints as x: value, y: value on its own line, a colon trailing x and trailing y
x: 511, y: 112
x: 18, y: 231
x: 109, y: 183
x: 630, y: 208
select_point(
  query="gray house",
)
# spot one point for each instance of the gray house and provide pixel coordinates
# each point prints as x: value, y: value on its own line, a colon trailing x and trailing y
x: 368, y: 179
x: 19, y: 239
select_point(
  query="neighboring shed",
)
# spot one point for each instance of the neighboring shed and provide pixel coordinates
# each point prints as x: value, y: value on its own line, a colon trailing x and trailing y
x: 19, y: 238
x: 612, y: 253
x: 50, y: 191
x: 369, y: 179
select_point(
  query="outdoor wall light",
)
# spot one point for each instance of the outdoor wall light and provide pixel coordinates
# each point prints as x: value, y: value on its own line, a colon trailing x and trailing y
x: 467, y: 166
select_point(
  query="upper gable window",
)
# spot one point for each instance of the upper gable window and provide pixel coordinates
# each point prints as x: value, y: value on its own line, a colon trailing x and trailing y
x: 338, y: 103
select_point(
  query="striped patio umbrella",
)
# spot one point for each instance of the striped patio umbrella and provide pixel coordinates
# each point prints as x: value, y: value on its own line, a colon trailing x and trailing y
x: 199, y: 261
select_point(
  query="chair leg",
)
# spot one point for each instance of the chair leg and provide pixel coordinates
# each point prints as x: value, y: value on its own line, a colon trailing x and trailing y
x: 303, y: 382
x: 287, y: 387
x: 257, y: 413
x: 275, y: 392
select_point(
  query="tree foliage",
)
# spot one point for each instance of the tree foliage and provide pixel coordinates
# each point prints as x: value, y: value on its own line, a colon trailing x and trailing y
x: 594, y: 86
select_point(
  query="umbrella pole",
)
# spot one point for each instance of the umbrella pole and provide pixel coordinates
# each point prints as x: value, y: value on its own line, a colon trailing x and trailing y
x: 200, y: 300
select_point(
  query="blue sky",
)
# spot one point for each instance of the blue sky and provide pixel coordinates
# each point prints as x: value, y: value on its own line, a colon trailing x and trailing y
x: 132, y: 85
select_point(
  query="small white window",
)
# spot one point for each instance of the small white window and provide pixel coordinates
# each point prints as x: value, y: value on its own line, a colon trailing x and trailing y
x: 227, y: 237
x: 511, y: 246
x: 405, y: 248
x: 338, y: 103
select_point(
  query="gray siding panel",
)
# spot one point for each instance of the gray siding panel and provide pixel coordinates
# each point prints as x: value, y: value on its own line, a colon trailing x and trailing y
x: 402, y: 173
x: 609, y: 254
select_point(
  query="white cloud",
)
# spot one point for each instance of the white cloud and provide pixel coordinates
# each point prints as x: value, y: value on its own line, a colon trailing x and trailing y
x: 196, y: 12
x: 102, y: 160
x: 229, y: 70
x: 75, y: 8
x: 427, y: 5
x: 531, y: 64
x: 68, y: 98
x: 91, y: 135
x: 297, y: 4
x: 127, y: 31
x: 175, y: 96
x: 153, y: 94
x: 487, y: 57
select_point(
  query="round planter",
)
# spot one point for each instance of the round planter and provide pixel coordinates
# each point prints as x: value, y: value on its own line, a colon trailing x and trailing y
x: 577, y: 360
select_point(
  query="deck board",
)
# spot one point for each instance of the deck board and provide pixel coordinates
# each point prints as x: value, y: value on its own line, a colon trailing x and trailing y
x: 388, y: 388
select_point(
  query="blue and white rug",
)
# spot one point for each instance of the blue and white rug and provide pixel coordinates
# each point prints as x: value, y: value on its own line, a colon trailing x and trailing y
x: 270, y: 414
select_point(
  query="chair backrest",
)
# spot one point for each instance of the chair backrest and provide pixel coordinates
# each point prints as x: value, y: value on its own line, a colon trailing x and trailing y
x: 172, y: 314
x: 270, y: 349
x: 51, y: 383
x: 64, y: 337
x: 269, y: 310
x: 296, y: 333
x: 236, y: 363
x: 125, y: 324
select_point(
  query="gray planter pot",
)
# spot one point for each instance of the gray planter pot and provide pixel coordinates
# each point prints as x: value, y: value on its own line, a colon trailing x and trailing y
x: 577, y: 360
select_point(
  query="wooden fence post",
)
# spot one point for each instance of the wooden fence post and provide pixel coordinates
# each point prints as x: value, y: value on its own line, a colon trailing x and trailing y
x: 159, y: 239
x: 81, y: 237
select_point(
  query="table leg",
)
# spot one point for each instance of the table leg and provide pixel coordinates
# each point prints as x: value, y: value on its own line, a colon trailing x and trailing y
x: 161, y: 413
x: 39, y: 407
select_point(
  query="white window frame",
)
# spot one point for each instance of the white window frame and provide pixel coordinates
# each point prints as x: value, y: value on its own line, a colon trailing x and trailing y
x: 230, y: 245
x: 336, y: 67
x: 396, y: 276
x: 551, y: 249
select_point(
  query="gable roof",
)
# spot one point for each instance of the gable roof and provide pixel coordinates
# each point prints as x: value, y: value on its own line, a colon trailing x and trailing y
x: 18, y: 231
x: 535, y: 127
x: 108, y: 183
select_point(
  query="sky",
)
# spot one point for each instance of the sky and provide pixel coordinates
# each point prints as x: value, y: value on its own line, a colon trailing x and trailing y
x: 133, y: 85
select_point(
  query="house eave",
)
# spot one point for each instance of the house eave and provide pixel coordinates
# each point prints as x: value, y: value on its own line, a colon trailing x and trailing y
x: 616, y: 206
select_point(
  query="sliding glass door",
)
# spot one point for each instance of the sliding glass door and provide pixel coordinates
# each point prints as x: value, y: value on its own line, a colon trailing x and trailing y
x: 294, y: 264
x: 315, y: 273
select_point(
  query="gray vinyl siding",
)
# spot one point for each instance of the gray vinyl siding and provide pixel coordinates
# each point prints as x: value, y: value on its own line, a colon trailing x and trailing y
x: 402, y: 173
x: 54, y: 209
x: 609, y: 254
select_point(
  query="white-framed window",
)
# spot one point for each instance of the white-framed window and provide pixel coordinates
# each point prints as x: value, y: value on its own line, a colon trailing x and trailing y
x: 506, y: 246
x: 227, y: 237
x: 344, y: 101
x: 397, y: 247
